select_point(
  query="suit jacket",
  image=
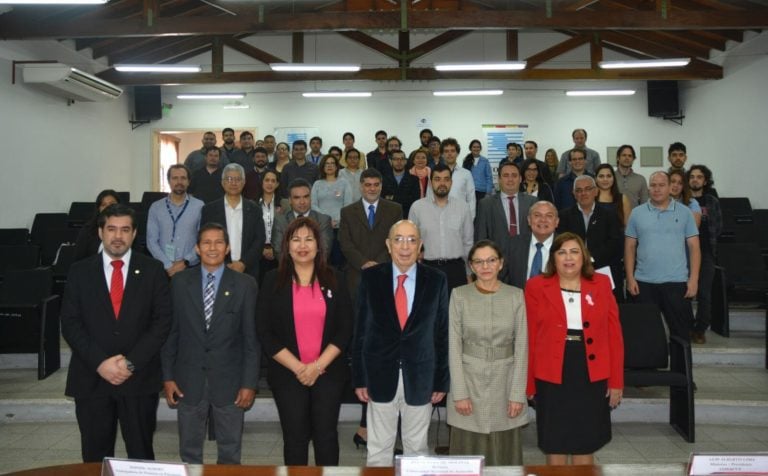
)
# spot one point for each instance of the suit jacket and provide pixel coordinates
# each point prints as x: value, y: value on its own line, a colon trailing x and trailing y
x: 253, y: 237
x: 283, y: 219
x: 547, y: 329
x: 381, y: 348
x: 359, y: 242
x: 603, y: 237
x: 277, y: 330
x: 89, y: 326
x: 227, y: 356
x: 405, y: 193
x: 491, y: 220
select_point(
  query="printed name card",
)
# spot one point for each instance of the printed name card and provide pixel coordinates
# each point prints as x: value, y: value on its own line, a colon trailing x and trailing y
x: 133, y: 467
x: 704, y: 464
x: 439, y: 465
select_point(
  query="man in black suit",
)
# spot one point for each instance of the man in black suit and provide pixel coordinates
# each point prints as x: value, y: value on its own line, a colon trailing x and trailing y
x: 399, y: 185
x: 115, y: 316
x: 211, y: 358
x: 205, y: 182
x: 242, y: 219
x: 400, y: 348
x: 299, y: 195
x: 599, y: 227
x: 526, y: 255
x: 494, y: 221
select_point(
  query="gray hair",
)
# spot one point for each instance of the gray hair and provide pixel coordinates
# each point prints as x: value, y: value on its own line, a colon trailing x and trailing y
x: 542, y: 203
x: 584, y: 177
x: 233, y: 167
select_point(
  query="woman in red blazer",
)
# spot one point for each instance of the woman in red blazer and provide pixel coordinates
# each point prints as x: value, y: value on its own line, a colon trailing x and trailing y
x: 575, y: 353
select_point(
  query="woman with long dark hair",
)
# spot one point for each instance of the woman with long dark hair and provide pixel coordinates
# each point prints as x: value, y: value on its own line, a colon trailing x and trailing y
x: 609, y: 196
x: 533, y: 184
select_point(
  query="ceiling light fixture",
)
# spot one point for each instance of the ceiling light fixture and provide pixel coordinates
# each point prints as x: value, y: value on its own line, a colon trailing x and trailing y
x: 305, y: 67
x: 601, y: 92
x: 338, y: 95
x: 211, y: 96
x: 482, y: 92
x: 158, y: 68
x: 237, y: 106
x: 651, y: 63
x: 498, y: 66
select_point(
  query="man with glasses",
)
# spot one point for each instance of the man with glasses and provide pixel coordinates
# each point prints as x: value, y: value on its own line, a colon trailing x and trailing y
x: 242, y: 219
x: 564, y: 187
x: 400, y: 186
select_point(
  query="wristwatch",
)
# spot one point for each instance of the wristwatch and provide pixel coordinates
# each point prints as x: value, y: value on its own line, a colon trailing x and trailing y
x: 130, y: 365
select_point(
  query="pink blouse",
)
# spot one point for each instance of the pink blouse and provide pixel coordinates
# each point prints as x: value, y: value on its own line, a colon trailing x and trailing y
x: 309, y: 320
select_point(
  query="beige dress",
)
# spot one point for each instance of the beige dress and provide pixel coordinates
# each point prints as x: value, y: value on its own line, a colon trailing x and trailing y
x: 488, y: 358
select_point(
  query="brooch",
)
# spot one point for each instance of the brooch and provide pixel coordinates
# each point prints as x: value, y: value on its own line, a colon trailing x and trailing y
x: 589, y: 299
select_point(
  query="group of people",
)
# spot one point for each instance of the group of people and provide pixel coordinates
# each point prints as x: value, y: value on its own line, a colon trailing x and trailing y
x: 400, y: 274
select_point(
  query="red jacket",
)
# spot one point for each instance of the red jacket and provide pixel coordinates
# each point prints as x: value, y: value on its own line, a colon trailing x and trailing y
x: 547, y: 328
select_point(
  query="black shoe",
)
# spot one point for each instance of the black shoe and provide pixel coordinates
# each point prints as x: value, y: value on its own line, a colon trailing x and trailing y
x: 359, y: 440
x: 398, y: 452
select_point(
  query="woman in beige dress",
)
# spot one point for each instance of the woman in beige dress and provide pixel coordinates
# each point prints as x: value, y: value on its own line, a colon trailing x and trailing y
x: 488, y: 358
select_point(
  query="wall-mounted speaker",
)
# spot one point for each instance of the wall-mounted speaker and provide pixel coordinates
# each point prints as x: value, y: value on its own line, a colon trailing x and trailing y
x: 147, y: 103
x: 663, y: 99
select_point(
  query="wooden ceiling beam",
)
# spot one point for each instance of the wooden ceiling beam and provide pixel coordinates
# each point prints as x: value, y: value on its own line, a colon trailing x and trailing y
x: 437, y: 42
x: 250, y: 50
x: 513, y: 47
x: 297, y: 47
x: 372, y: 43
x: 171, y: 50
x: 687, y: 48
x: 556, y: 50
x: 501, y: 19
x: 640, y: 44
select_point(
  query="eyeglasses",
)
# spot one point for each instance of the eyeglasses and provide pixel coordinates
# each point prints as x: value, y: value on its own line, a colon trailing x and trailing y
x: 480, y: 262
x: 232, y: 179
x: 411, y: 240
x: 583, y: 190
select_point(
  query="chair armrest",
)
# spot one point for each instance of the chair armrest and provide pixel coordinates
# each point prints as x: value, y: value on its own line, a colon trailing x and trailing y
x: 680, y: 358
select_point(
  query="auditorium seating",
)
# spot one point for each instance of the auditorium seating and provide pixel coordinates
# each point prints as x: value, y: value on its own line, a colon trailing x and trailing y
x: 14, y: 236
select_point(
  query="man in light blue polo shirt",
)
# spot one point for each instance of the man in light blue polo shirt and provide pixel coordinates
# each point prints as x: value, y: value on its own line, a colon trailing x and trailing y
x: 659, y: 271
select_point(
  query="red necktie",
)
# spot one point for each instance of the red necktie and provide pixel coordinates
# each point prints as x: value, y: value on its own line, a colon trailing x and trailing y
x: 512, y: 216
x: 401, y: 301
x: 116, y: 288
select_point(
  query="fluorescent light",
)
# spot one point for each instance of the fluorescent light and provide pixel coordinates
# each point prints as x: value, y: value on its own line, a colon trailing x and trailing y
x: 482, y: 92
x: 237, y: 106
x: 54, y: 2
x: 338, y: 95
x: 210, y: 96
x: 602, y: 92
x: 304, y: 67
x: 500, y: 66
x: 652, y: 63
x: 158, y: 68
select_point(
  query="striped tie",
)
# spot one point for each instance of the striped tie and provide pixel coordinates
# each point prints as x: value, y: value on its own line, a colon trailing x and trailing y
x: 208, y: 297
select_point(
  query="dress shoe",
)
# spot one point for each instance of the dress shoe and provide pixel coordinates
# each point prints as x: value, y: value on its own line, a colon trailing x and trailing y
x: 359, y: 441
x: 699, y: 338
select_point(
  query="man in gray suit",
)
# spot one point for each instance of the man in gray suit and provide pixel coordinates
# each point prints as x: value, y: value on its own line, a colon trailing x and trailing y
x: 299, y: 195
x: 211, y: 358
x: 526, y: 255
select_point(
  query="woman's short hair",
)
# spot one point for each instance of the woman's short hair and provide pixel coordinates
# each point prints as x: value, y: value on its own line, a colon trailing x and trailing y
x: 324, y: 161
x: 587, y: 269
x: 484, y: 244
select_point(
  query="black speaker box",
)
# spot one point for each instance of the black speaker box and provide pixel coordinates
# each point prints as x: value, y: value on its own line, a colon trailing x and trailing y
x: 663, y: 99
x: 147, y: 103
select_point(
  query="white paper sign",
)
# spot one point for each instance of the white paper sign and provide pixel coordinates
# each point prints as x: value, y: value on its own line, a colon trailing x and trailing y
x: 132, y: 467
x: 438, y: 466
x: 728, y: 463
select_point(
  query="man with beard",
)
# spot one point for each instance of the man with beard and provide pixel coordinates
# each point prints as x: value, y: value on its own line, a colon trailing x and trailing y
x: 399, y: 185
x: 228, y: 148
x: 269, y: 144
x: 378, y: 156
x: 196, y: 159
x: 462, y: 184
x: 172, y: 224
x: 315, y: 150
x: 677, y: 155
x: 243, y: 155
x: 205, y: 184
x: 631, y: 184
x: 252, y: 190
x: 298, y: 167
x: 445, y: 225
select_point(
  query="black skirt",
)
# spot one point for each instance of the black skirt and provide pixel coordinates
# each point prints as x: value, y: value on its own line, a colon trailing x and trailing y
x: 573, y: 417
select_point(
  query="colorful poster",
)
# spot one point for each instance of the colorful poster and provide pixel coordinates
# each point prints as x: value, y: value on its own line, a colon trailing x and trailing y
x: 497, y: 136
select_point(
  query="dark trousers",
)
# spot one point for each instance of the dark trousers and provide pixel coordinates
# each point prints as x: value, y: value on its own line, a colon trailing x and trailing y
x: 670, y: 298
x: 97, y: 419
x: 228, y: 422
x: 704, y: 296
x: 309, y: 413
x: 454, y: 270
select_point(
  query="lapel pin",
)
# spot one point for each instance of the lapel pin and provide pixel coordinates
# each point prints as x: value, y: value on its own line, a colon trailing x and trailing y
x: 589, y: 299
x: 330, y: 294
x: 226, y: 293
x: 136, y: 271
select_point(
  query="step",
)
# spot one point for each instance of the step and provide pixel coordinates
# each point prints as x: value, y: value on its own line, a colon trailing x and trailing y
x: 742, y: 349
x: 752, y: 320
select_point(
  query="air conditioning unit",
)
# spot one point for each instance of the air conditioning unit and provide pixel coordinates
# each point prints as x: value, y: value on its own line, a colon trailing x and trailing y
x: 71, y: 83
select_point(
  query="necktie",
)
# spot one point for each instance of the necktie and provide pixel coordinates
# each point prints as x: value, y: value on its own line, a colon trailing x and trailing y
x: 371, y: 216
x: 401, y: 301
x: 116, y: 286
x: 536, y: 264
x: 208, y: 298
x: 512, y: 216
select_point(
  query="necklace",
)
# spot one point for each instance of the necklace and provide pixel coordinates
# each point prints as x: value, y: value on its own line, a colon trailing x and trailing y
x: 570, y: 292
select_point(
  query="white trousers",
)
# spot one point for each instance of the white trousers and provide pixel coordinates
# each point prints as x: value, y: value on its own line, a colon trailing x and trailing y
x: 382, y: 428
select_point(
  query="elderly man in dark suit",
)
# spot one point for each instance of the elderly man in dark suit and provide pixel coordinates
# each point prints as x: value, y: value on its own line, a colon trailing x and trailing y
x: 242, y: 219
x: 115, y: 316
x: 526, y: 255
x: 364, y: 227
x: 211, y: 358
x: 299, y: 196
x: 400, y: 347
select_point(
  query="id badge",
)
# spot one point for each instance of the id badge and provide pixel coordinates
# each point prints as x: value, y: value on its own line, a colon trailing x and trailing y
x: 170, y: 251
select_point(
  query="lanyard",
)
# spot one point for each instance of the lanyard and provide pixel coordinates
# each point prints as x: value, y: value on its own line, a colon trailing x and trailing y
x: 268, y: 209
x: 176, y: 219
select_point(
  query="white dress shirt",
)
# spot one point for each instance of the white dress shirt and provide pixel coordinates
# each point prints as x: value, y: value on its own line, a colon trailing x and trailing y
x: 234, y: 228
x: 544, y: 253
x: 108, y: 268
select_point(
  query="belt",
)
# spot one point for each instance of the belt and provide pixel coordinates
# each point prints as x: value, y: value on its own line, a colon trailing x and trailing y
x: 442, y: 261
x: 573, y: 338
x: 489, y: 353
x: 574, y: 335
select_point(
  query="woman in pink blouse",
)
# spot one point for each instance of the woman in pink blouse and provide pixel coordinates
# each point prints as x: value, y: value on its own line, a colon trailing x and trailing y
x: 304, y: 322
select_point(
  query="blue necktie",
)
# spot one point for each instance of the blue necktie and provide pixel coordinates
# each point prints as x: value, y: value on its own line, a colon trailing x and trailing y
x: 208, y: 299
x: 536, y: 264
x: 371, y: 216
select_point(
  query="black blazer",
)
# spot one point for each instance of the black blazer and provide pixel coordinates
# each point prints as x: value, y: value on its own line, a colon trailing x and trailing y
x: 603, y: 236
x: 254, y: 236
x: 89, y: 326
x: 227, y: 356
x: 381, y: 348
x: 515, y: 271
x: 276, y: 329
x: 405, y: 193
